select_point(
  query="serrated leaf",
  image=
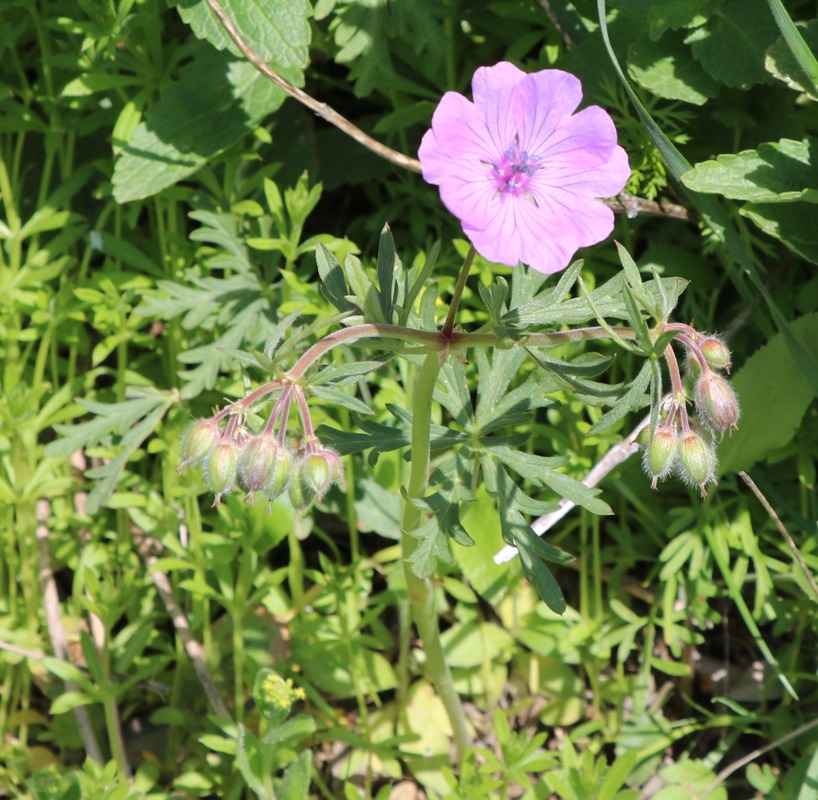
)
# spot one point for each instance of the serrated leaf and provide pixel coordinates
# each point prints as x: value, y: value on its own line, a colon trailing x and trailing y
x: 666, y: 69
x: 110, y: 418
x: 775, y: 172
x: 215, y: 102
x: 712, y: 212
x: 278, y: 30
x: 732, y: 43
x: 794, y: 224
x: 774, y: 396
x: 675, y: 14
x: 536, y: 310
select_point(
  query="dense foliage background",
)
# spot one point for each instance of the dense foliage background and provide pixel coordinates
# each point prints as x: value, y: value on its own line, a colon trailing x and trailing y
x: 161, y: 202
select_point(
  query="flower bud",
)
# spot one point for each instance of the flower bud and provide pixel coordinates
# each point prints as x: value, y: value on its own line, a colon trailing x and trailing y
x: 659, y: 457
x: 321, y: 469
x: 698, y: 460
x: 223, y: 468
x: 715, y: 353
x: 258, y: 462
x: 198, y: 440
x: 280, y: 475
x: 300, y: 493
x: 716, y: 401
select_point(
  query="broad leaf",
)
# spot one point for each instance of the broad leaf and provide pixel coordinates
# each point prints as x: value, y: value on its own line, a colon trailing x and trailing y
x: 216, y: 101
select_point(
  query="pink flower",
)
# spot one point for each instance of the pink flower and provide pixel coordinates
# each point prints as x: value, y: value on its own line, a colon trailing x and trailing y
x: 520, y: 170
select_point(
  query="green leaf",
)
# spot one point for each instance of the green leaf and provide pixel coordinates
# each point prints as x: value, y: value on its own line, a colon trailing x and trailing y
x: 774, y: 396
x: 133, y: 420
x: 215, y: 102
x: 278, y: 30
x: 801, y: 52
x: 68, y: 701
x: 295, y: 784
x: 632, y: 400
x: 783, y: 65
x: 676, y: 14
x: 795, y: 224
x: 732, y: 43
x: 666, y: 69
x: 388, y: 273
x: 530, y: 548
x: 334, y: 286
x: 775, y: 172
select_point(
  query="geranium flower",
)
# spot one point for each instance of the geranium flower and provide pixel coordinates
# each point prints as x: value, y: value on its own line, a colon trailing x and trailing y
x: 520, y: 170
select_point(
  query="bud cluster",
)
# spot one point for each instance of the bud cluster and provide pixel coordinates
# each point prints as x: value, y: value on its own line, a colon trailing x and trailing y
x: 683, y: 446
x: 233, y: 458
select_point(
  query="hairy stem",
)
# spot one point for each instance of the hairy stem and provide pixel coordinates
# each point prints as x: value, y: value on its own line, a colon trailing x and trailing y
x: 421, y: 590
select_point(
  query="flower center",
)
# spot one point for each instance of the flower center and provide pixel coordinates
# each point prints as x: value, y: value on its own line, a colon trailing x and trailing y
x: 513, y: 172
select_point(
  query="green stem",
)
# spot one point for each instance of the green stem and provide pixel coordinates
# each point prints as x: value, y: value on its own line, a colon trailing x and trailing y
x: 421, y: 590
x: 448, y: 326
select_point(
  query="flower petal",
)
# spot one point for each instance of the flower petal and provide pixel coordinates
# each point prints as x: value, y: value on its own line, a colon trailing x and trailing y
x: 545, y: 102
x: 521, y: 170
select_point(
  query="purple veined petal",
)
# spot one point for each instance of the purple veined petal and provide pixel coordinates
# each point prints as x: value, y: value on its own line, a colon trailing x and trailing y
x: 606, y: 180
x: 494, y: 89
x: 458, y: 134
x: 584, y: 220
x: 545, y: 102
x: 585, y: 140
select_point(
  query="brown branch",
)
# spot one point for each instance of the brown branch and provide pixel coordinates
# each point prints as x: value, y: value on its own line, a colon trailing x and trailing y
x: 636, y: 206
x: 321, y: 109
x: 147, y: 548
x: 783, y: 531
x: 56, y: 632
x: 555, y: 21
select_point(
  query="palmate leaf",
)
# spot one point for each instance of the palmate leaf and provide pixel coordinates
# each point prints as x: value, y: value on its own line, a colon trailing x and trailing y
x: 532, y: 550
x: 608, y: 300
x: 443, y: 507
x: 123, y: 426
x: 634, y: 399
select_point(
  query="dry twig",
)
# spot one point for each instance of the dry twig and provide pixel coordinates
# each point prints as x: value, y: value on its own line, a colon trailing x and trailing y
x: 56, y: 632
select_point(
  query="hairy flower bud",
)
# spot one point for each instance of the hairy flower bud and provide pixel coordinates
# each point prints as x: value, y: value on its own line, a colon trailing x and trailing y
x: 715, y: 352
x: 659, y: 457
x: 321, y: 469
x: 223, y: 468
x: 716, y: 401
x: 300, y: 493
x: 698, y: 460
x: 198, y: 440
x: 280, y: 475
x: 258, y: 462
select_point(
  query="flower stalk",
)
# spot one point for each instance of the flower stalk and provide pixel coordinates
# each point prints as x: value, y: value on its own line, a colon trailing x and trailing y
x: 421, y: 590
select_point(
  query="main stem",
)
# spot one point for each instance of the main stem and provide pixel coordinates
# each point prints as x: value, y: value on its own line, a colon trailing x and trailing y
x: 421, y: 590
